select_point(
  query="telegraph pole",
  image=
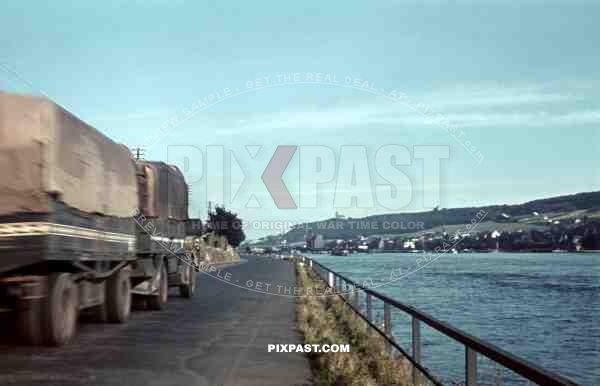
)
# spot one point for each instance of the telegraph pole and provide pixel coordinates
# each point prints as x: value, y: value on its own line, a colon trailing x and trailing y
x: 138, y: 152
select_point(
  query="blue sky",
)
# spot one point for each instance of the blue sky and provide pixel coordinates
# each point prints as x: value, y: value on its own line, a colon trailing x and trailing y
x: 521, y: 81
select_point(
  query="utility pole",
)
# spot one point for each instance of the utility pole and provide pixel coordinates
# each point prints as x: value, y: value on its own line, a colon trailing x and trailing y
x: 138, y: 152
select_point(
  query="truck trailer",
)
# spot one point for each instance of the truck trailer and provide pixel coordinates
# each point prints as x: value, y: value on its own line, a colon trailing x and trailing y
x: 83, y: 225
x: 162, y: 226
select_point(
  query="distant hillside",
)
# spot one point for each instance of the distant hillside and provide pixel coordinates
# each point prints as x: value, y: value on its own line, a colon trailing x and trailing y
x: 533, y: 214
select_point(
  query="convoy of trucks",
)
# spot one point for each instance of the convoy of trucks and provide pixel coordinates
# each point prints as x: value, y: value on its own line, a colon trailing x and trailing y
x: 84, y: 227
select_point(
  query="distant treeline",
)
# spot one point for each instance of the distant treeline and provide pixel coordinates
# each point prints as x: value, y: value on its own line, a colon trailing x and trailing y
x: 346, y: 228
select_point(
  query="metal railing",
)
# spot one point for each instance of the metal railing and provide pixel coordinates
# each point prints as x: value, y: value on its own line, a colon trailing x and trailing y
x: 350, y: 291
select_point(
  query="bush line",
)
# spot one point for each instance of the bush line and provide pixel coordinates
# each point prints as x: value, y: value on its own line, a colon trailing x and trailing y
x: 328, y: 320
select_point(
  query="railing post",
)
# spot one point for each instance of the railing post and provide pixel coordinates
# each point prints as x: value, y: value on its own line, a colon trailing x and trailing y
x: 511, y: 362
x: 471, y: 366
x: 387, y: 323
x: 416, y: 348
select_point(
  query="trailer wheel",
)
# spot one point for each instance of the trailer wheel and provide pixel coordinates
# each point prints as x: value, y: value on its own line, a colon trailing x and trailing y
x: 187, y: 290
x: 118, y: 297
x: 29, y: 322
x: 157, y: 302
x: 62, y: 309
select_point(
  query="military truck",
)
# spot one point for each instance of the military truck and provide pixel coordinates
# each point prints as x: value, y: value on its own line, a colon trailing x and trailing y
x: 82, y: 224
x: 162, y: 226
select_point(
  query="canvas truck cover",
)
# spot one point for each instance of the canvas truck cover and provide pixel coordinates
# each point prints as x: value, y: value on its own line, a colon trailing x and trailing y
x: 46, y: 150
x: 164, y: 192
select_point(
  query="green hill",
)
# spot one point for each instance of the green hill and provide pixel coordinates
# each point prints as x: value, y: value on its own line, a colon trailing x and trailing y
x: 537, y: 214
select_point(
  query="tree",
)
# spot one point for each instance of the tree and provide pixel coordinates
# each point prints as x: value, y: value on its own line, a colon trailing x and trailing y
x: 227, y: 224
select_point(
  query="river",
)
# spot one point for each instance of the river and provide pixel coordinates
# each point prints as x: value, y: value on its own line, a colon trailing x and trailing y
x: 542, y: 307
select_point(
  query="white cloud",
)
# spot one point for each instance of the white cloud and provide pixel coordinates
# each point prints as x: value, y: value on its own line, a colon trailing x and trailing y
x: 484, y: 105
x: 524, y: 106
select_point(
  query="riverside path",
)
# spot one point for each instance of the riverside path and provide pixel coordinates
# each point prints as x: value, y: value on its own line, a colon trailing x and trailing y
x: 219, y: 339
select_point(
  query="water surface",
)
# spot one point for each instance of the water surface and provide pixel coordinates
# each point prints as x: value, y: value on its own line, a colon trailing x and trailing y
x: 543, y: 307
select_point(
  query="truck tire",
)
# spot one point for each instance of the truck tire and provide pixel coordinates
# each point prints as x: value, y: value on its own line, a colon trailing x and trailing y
x: 157, y: 302
x: 118, y: 297
x: 187, y: 290
x: 30, y: 322
x: 61, y: 309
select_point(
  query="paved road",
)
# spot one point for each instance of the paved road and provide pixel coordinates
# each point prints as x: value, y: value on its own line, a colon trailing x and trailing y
x: 218, y: 338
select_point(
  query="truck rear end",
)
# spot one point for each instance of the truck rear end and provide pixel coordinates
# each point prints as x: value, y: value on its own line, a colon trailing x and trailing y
x: 162, y: 228
x: 67, y: 235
